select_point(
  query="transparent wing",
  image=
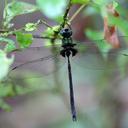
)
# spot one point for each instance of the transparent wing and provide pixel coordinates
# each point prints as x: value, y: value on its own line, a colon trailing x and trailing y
x: 99, y: 55
x: 36, y: 62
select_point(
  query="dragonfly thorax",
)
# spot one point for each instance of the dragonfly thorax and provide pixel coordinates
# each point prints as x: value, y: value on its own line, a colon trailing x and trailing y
x: 67, y: 43
x: 66, y: 32
x: 67, y: 51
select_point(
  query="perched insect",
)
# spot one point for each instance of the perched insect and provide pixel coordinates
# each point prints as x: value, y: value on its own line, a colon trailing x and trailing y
x: 67, y: 50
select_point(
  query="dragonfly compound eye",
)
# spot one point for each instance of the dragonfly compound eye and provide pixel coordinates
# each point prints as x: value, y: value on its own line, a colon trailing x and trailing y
x: 66, y: 32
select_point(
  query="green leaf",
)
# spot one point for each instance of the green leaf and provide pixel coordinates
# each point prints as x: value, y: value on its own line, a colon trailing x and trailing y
x: 52, y: 8
x: 122, y: 62
x: 115, y: 4
x: 94, y: 35
x: 10, y: 46
x: 16, y: 8
x: 103, y: 46
x: 49, y: 44
x: 6, y: 90
x: 120, y: 23
x: 59, y: 19
x: 30, y: 27
x: 4, y: 105
x: 122, y: 10
x: 102, y: 5
x: 5, y: 63
x: 80, y: 1
x: 91, y: 10
x: 102, y: 2
x: 24, y: 39
x: 50, y: 31
x: 20, y: 90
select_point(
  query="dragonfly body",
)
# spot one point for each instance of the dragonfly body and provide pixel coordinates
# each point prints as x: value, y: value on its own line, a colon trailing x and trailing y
x: 67, y: 43
x: 68, y: 49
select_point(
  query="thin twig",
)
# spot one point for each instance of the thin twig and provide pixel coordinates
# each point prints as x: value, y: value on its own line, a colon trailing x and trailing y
x: 34, y: 36
x: 37, y: 36
x: 66, y: 13
x: 77, y: 12
x: 56, y: 76
x: 42, y: 37
x: 3, y: 31
x: 64, y: 21
x: 45, y: 23
x: 23, y: 28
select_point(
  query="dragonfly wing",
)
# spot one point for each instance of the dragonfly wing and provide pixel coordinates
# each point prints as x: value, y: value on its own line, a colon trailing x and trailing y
x: 91, y: 55
x: 36, y: 62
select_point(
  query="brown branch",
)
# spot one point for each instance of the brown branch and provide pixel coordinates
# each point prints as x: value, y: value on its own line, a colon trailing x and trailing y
x: 45, y: 23
x: 34, y: 36
x: 66, y: 14
x: 64, y: 21
x: 77, y: 12
x: 42, y: 37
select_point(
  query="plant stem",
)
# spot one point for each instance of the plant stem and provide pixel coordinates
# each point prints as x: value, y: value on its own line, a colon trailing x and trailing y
x: 42, y: 37
x: 64, y: 21
x: 66, y: 14
x: 77, y: 12
x: 4, y: 13
x: 45, y: 23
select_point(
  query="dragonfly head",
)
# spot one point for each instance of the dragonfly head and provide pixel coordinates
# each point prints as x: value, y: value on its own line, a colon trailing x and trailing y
x: 66, y: 32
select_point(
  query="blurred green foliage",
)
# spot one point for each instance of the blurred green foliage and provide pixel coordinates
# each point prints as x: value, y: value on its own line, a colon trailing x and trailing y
x: 16, y: 8
x: 55, y: 7
x: 5, y: 64
x: 24, y: 39
x: 10, y: 44
x: 54, y: 10
x: 30, y: 27
x: 80, y: 1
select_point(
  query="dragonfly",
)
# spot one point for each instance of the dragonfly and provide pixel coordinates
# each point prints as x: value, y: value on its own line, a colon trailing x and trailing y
x: 67, y: 50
